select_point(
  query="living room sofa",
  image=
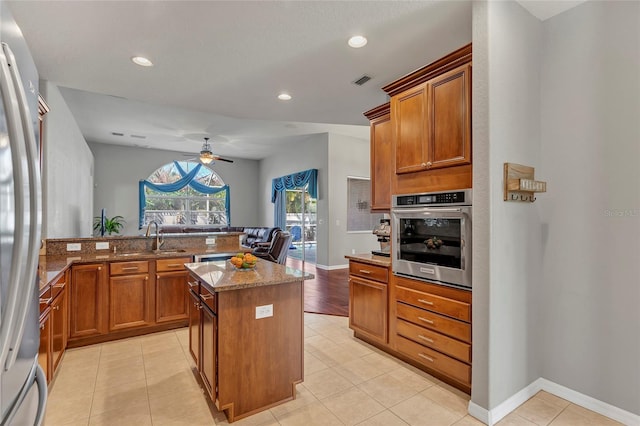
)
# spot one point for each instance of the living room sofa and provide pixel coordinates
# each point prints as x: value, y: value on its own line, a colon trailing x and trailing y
x: 254, y: 235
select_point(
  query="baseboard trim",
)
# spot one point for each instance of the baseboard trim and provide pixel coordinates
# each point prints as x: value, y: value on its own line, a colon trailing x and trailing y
x: 493, y: 416
x: 590, y: 403
x: 332, y: 267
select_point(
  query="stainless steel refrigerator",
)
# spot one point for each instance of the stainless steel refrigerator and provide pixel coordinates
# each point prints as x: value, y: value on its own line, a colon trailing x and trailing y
x: 23, y: 387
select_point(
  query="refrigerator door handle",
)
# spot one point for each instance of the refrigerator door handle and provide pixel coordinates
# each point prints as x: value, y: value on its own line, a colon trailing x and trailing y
x: 41, y: 382
x: 35, y: 210
x: 17, y: 143
x: 36, y: 375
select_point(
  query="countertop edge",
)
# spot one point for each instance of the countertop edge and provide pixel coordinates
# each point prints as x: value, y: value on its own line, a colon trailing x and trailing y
x: 370, y: 259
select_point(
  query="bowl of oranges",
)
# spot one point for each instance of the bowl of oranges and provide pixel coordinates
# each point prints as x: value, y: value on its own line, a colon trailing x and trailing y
x: 244, y: 261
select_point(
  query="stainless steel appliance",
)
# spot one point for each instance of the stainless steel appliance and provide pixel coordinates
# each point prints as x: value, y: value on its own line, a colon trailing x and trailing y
x: 23, y: 387
x: 383, y: 232
x: 431, y: 236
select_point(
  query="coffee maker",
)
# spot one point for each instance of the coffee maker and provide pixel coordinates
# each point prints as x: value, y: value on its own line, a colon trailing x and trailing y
x: 383, y: 232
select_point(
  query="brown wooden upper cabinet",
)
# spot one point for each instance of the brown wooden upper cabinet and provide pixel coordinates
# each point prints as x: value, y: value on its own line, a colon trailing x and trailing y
x: 381, y: 153
x: 432, y: 123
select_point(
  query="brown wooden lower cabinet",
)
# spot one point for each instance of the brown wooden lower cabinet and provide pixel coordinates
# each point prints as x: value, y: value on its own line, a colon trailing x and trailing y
x: 425, y: 324
x: 194, y: 327
x: 119, y: 299
x: 368, y: 308
x: 247, y: 364
x: 59, y: 326
x: 171, y: 297
x: 129, y: 302
x: 89, y: 297
x: 44, y: 353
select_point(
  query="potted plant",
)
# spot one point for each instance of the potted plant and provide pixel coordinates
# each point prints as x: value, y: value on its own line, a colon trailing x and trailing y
x: 111, y: 225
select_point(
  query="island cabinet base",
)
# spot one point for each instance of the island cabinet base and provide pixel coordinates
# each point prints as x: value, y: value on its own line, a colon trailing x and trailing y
x: 260, y: 359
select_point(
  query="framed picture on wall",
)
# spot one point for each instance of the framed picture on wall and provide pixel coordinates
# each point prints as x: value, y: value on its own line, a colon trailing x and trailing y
x: 359, y: 216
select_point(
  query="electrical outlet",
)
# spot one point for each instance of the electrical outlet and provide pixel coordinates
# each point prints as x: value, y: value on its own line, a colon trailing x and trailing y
x: 210, y: 241
x: 353, y: 251
x: 74, y: 247
x: 264, y: 311
x: 102, y: 246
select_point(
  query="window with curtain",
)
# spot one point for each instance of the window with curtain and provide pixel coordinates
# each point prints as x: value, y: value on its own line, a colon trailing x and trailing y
x: 184, y: 193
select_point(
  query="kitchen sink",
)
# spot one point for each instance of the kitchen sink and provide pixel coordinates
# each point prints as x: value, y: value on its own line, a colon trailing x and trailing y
x: 169, y: 251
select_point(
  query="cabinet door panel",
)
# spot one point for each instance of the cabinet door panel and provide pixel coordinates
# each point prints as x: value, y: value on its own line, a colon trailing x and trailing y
x: 451, y: 118
x: 368, y: 308
x: 171, y: 296
x: 194, y: 327
x: 208, y: 348
x: 381, y: 162
x: 58, y: 328
x: 88, y: 301
x: 409, y: 111
x: 44, y: 353
x: 129, y: 301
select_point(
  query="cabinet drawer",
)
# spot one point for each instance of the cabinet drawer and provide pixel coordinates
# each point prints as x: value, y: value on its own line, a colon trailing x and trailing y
x: 57, y: 288
x: 435, y: 360
x: 442, y: 324
x: 122, y: 268
x: 168, y: 265
x: 45, y: 298
x: 439, y: 304
x: 432, y: 339
x: 371, y: 272
x: 208, y: 298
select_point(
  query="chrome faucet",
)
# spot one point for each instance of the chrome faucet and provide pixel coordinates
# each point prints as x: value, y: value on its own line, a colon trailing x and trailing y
x: 159, y: 240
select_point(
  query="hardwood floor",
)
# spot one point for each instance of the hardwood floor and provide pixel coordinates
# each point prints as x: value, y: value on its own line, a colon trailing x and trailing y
x: 328, y: 292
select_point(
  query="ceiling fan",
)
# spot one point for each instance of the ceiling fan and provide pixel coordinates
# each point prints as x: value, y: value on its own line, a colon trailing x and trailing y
x: 207, y: 156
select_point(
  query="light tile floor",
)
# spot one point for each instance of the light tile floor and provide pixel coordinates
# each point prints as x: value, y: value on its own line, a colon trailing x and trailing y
x: 149, y: 380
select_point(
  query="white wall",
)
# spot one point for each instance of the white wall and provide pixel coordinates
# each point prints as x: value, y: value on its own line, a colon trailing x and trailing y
x: 347, y: 157
x: 310, y: 152
x: 556, y: 290
x: 119, y: 169
x: 590, y: 155
x: 512, y: 52
x: 67, y: 173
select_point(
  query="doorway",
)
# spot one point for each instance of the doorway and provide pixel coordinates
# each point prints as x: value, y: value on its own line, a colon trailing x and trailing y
x: 301, y: 219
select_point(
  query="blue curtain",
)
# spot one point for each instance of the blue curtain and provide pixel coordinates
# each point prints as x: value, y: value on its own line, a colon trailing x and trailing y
x: 295, y: 180
x: 280, y: 211
x: 187, y: 179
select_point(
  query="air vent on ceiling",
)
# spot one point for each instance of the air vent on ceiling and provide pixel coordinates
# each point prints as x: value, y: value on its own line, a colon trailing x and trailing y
x: 362, y: 80
x: 117, y: 134
x: 139, y: 136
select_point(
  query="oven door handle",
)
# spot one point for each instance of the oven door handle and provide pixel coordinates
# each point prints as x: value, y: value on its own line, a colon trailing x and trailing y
x: 429, y: 210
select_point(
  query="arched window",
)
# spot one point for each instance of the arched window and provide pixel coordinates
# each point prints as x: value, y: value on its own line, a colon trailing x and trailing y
x: 184, y: 193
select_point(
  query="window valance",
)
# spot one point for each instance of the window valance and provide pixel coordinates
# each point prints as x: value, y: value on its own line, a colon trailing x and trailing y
x: 296, y: 180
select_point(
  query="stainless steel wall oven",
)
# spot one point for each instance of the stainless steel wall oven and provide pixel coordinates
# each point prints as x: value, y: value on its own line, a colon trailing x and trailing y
x: 431, y: 237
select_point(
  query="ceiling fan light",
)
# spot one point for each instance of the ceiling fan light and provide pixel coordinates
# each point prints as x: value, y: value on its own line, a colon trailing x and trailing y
x: 206, y: 157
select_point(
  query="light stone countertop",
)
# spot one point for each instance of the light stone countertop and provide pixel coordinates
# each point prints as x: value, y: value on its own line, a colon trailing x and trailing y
x: 371, y: 259
x: 222, y: 276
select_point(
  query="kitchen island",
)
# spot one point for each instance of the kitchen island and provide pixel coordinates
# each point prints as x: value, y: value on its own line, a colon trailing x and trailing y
x: 246, y: 334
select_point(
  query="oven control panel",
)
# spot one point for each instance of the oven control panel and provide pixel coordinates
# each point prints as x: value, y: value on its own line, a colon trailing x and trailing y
x: 435, y: 198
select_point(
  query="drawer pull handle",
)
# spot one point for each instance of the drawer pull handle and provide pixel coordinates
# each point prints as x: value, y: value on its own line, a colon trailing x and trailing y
x: 426, y: 302
x: 130, y: 268
x: 428, y: 358
x: 364, y: 271
x: 174, y: 265
x: 425, y: 338
x: 206, y: 296
x: 192, y: 284
x: 60, y: 285
x: 428, y: 321
x: 46, y: 301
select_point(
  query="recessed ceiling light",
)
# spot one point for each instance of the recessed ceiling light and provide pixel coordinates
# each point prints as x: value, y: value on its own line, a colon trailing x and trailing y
x: 357, y: 41
x: 142, y: 61
x: 284, y: 97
